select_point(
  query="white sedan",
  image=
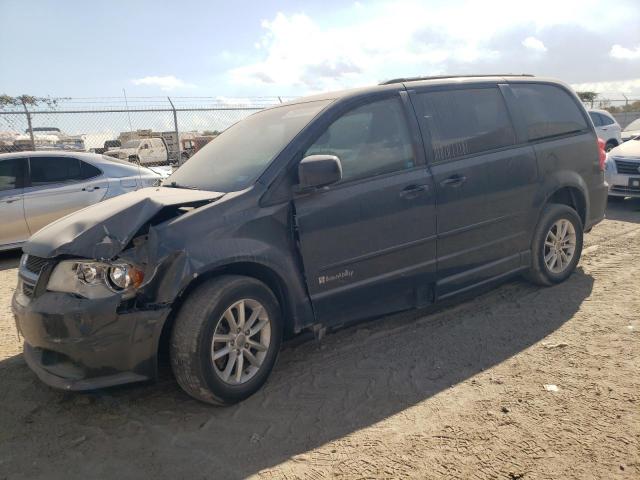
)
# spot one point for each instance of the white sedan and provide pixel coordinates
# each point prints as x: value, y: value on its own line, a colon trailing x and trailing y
x: 622, y: 170
x: 37, y: 188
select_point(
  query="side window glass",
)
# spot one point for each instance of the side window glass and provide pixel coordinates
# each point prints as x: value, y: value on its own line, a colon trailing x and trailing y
x: 88, y: 171
x: 12, y: 173
x: 47, y: 170
x: 596, y: 119
x: 464, y: 122
x: 549, y: 111
x: 369, y: 140
x: 606, y: 120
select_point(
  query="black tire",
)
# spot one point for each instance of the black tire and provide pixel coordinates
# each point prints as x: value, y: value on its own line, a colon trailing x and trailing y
x: 192, y: 335
x: 615, y: 199
x: 539, y: 273
x: 610, y: 145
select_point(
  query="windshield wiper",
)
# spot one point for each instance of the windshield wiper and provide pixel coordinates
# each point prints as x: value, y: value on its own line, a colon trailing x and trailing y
x: 178, y: 185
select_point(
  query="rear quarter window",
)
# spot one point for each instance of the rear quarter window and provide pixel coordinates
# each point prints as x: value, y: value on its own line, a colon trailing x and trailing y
x: 548, y: 111
x: 88, y: 171
x: 606, y: 120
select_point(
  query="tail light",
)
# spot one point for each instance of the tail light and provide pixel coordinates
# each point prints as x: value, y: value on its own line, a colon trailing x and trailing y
x: 602, y: 155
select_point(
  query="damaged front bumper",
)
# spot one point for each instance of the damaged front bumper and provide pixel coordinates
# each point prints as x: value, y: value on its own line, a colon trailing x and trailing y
x: 74, y: 343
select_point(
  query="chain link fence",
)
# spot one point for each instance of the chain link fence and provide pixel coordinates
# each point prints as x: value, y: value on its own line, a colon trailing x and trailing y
x: 624, y: 110
x: 122, y: 127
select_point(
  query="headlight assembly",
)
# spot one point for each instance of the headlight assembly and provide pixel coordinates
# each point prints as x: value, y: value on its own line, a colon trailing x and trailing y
x: 95, y: 279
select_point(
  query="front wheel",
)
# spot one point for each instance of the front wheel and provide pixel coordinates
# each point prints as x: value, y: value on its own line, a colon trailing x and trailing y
x: 226, y: 339
x: 556, y: 245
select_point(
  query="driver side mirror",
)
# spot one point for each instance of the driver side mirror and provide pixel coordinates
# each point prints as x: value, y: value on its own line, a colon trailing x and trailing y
x: 316, y: 171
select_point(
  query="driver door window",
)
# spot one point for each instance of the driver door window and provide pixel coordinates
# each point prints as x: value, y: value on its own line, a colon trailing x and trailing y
x: 369, y: 140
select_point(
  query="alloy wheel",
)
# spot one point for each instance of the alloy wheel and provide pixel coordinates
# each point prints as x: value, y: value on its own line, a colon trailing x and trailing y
x: 240, y: 341
x: 559, y: 246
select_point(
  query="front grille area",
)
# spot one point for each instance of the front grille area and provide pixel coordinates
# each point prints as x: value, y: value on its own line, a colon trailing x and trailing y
x: 34, y: 264
x: 627, y: 168
x: 625, y: 189
x: 28, y: 289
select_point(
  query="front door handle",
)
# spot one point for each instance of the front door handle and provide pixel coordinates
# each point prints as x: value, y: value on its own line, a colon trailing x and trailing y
x: 90, y: 189
x: 453, y: 181
x: 413, y: 191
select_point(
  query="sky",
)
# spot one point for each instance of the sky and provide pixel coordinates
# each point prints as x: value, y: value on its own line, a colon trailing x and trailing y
x: 69, y: 48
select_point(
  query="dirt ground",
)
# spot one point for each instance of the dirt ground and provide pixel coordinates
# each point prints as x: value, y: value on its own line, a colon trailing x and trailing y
x: 455, y: 393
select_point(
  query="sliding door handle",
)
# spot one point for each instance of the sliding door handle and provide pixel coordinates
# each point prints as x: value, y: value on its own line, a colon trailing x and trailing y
x: 453, y: 181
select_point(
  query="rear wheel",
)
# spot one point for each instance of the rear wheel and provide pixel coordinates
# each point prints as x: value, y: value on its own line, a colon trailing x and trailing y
x: 226, y: 339
x: 556, y: 245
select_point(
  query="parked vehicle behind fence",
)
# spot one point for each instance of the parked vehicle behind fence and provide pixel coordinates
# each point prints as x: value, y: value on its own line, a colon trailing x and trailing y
x: 607, y: 128
x: 144, y: 150
x: 310, y: 215
x: 37, y: 188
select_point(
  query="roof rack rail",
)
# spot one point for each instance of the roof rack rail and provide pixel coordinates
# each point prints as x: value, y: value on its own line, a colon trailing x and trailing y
x: 441, y: 77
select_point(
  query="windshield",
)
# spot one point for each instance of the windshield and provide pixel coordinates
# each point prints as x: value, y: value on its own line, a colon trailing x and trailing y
x: 237, y: 157
x: 131, y: 144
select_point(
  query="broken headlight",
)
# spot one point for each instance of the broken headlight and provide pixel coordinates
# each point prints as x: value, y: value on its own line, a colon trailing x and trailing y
x: 95, y: 279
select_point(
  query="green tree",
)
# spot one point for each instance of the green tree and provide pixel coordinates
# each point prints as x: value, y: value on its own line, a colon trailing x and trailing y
x: 588, y: 97
x: 28, y: 100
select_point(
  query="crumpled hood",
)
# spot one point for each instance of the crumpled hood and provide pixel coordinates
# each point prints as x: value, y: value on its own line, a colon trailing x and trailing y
x: 103, y: 230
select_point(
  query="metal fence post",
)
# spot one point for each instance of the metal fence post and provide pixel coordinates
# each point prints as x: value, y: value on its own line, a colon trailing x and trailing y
x: 33, y: 142
x: 175, y: 126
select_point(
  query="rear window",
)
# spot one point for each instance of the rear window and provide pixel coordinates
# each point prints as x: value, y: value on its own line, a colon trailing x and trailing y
x: 464, y: 122
x: 549, y: 111
x: 46, y: 170
x: 606, y: 120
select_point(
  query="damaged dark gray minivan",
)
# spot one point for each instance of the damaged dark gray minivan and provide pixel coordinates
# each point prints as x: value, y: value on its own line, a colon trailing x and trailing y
x: 310, y: 215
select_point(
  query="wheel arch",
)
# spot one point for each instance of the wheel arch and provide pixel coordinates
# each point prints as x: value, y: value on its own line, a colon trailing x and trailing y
x: 573, y: 197
x: 567, y: 188
x: 252, y: 269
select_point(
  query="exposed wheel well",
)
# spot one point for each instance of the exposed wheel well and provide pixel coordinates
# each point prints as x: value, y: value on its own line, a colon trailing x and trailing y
x: 612, y: 143
x: 249, y: 269
x: 573, y: 198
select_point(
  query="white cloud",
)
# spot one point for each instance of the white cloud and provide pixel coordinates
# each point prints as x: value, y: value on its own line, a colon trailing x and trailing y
x: 623, y: 53
x: 166, y: 83
x: 367, y: 42
x: 532, y: 43
x: 613, y: 89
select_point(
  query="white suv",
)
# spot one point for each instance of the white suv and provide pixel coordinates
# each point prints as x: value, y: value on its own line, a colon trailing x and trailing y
x: 607, y: 128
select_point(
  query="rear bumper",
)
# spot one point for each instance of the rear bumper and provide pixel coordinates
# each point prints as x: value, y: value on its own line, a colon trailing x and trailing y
x: 78, y: 344
x: 597, y: 205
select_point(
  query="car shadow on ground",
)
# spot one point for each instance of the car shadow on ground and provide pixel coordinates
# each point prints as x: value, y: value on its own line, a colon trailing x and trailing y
x: 627, y: 210
x: 318, y: 392
x: 10, y: 259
